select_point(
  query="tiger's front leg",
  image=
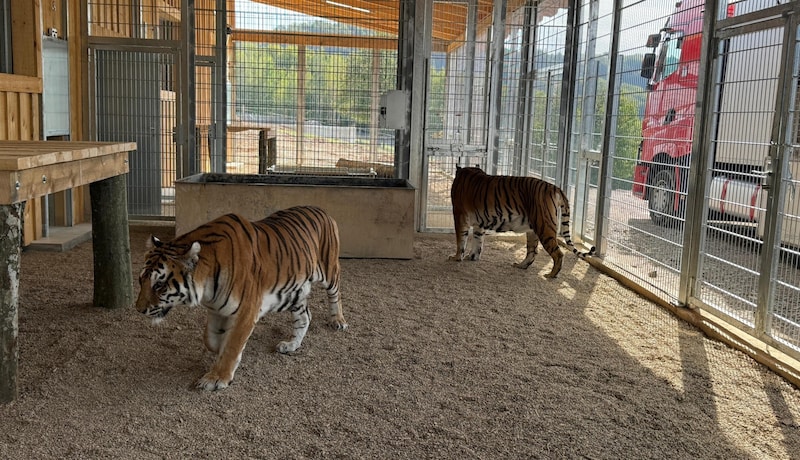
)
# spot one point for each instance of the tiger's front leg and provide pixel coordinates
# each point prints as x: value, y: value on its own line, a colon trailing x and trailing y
x: 336, y: 319
x: 477, y: 244
x: 216, y: 328
x: 533, y: 248
x: 230, y: 346
x: 462, y: 233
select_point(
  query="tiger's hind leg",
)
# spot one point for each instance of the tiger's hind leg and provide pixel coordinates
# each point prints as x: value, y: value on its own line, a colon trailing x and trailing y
x: 551, y: 246
x: 337, y: 317
x: 301, y: 318
x: 462, y: 233
x: 533, y: 248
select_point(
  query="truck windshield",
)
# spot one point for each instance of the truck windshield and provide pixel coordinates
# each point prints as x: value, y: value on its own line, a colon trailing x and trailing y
x: 669, y: 54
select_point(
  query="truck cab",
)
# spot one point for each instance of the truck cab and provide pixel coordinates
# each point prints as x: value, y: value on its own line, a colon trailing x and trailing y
x: 667, y: 127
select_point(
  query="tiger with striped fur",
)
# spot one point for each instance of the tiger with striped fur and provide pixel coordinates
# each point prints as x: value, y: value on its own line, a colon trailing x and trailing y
x: 486, y: 203
x: 241, y: 270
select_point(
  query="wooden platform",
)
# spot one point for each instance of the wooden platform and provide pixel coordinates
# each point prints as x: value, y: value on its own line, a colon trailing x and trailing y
x: 31, y: 169
x: 62, y: 239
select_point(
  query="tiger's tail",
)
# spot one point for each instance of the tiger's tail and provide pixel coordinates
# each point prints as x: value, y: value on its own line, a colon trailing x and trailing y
x: 565, y: 233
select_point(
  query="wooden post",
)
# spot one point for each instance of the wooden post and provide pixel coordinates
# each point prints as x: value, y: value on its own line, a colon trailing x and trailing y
x: 272, y: 150
x: 113, y: 282
x: 263, y: 160
x: 267, y: 150
x: 10, y: 234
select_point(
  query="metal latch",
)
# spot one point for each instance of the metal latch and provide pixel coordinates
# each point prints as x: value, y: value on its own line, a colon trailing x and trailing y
x: 766, y: 174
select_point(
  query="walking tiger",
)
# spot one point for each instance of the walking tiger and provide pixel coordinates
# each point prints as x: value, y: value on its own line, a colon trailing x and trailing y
x: 240, y: 270
x: 486, y: 203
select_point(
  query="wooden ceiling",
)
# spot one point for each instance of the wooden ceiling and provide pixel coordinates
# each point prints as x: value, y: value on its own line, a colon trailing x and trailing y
x: 450, y: 16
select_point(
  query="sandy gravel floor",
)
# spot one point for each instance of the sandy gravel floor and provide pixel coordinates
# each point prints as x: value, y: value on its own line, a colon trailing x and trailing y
x: 442, y: 360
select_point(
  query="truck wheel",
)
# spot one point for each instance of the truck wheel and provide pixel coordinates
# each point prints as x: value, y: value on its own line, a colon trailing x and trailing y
x: 662, y: 198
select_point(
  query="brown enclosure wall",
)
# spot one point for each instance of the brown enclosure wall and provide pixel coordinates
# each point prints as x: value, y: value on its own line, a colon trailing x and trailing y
x: 21, y: 95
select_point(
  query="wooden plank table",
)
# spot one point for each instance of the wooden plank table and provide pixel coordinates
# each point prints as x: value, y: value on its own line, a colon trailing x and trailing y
x: 31, y: 169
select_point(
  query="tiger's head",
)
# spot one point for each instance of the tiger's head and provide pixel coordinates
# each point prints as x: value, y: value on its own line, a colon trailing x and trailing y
x: 469, y: 171
x: 165, y: 280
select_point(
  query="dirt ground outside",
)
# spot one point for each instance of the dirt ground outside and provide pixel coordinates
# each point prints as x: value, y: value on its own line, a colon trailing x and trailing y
x: 441, y: 360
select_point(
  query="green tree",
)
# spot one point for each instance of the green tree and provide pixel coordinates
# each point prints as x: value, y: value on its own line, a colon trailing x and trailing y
x: 628, y: 137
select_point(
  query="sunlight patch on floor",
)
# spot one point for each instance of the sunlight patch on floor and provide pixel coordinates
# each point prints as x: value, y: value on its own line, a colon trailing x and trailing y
x: 642, y: 329
x: 763, y: 391
x: 663, y: 344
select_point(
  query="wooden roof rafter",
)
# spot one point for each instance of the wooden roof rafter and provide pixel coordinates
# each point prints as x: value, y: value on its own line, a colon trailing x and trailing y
x: 449, y: 16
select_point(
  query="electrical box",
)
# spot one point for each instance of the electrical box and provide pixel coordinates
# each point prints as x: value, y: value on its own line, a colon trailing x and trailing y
x: 393, y: 110
x: 55, y: 87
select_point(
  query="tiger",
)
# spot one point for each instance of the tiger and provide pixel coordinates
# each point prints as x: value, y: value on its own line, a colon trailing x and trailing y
x: 239, y: 271
x: 486, y: 203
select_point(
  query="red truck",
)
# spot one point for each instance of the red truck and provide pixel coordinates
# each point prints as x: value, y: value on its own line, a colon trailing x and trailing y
x: 750, y: 65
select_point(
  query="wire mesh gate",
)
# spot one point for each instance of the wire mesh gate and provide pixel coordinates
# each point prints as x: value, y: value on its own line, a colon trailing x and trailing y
x: 748, y: 268
x: 494, y: 99
x: 132, y: 102
x: 456, y: 122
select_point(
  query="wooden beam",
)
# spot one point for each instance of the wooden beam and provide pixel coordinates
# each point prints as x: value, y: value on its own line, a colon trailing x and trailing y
x: 26, y: 28
x: 20, y: 83
x: 382, y: 16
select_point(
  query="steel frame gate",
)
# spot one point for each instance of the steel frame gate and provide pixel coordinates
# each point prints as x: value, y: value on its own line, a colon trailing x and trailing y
x: 736, y: 252
x: 131, y: 102
x: 496, y: 109
x: 762, y: 294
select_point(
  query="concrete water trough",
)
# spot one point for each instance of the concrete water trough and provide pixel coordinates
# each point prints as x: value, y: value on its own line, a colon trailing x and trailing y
x: 375, y: 216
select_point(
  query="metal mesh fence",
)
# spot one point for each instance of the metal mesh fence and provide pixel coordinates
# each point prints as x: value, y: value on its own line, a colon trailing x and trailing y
x: 784, y: 321
x: 513, y: 100
x: 275, y: 88
x: 589, y: 113
x: 643, y: 228
x: 550, y: 46
x: 747, y: 102
x: 314, y: 81
x: 456, y: 122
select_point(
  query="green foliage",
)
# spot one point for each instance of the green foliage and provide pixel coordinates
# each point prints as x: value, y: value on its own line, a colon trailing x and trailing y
x: 436, y: 98
x: 628, y: 137
x: 627, y: 132
x: 338, y: 82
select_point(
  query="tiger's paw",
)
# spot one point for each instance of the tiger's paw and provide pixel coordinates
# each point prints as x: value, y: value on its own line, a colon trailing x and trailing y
x: 212, y: 382
x: 287, y: 347
x: 454, y: 258
x: 338, y: 324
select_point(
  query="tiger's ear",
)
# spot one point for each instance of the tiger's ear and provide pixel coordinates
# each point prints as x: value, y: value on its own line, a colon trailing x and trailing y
x: 152, y: 242
x: 193, y: 255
